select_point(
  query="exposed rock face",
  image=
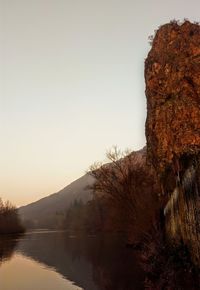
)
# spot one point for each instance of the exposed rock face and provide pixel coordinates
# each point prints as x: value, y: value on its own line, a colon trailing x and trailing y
x: 172, y: 74
x: 182, y: 211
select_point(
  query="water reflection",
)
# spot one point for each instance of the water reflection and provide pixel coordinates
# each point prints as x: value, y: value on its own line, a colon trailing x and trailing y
x: 92, y: 263
x: 7, y: 247
x: 22, y: 273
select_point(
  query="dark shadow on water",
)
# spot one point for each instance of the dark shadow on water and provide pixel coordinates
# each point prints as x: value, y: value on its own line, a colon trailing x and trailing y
x: 93, y: 263
x: 8, y: 245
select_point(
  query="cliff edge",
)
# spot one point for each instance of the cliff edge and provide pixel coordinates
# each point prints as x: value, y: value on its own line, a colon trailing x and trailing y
x: 172, y: 75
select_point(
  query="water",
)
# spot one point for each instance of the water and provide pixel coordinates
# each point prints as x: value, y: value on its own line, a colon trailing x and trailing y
x: 47, y: 260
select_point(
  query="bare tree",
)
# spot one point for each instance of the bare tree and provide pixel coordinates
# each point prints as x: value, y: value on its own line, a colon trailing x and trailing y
x: 129, y: 185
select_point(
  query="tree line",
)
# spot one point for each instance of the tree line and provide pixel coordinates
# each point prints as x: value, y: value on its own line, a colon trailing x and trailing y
x: 9, y: 219
x: 125, y: 197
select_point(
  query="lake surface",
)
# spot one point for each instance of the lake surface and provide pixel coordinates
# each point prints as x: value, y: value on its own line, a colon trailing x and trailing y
x: 48, y: 260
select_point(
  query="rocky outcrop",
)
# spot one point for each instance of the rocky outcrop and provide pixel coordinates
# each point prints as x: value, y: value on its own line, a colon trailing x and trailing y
x: 172, y: 75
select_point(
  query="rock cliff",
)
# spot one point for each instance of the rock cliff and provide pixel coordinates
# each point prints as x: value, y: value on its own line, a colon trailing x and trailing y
x: 172, y: 75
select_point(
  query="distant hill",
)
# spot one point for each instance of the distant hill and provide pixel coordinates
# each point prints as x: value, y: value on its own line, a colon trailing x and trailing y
x: 48, y: 212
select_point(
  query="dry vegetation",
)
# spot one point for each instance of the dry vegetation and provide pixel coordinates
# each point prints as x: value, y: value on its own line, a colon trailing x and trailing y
x: 9, y: 219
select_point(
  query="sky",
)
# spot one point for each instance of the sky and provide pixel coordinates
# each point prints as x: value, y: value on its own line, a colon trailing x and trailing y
x: 72, y: 86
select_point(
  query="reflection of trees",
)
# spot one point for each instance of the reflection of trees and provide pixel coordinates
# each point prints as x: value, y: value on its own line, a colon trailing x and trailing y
x: 114, y: 266
x: 7, y: 247
x: 93, y: 263
x: 67, y: 257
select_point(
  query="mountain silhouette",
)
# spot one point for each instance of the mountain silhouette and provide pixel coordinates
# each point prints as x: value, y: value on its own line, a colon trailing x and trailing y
x: 49, y: 211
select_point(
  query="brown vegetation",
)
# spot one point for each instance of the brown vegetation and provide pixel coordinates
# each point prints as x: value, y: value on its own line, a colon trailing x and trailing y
x: 125, y: 198
x: 167, y: 266
x: 129, y: 189
x: 9, y: 219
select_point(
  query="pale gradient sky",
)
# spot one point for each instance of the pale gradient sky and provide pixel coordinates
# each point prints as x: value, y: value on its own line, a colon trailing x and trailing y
x: 71, y: 80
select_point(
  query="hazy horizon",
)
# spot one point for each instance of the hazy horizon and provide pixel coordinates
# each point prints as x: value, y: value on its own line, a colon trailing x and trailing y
x: 72, y: 85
